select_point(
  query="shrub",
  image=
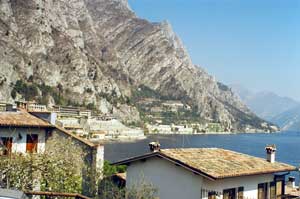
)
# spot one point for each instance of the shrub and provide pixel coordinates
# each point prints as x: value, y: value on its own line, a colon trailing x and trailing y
x: 28, y: 91
x: 54, y: 169
x: 110, y: 170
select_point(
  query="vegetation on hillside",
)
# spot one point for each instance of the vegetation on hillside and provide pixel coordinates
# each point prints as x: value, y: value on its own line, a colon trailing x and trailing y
x: 40, y: 92
x: 167, y: 116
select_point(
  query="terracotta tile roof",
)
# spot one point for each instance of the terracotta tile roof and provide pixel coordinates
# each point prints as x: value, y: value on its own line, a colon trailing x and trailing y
x: 215, y: 163
x: 25, y: 119
x: 21, y: 119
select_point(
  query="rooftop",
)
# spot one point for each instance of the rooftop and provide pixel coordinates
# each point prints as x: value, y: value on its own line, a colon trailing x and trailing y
x: 215, y: 163
x: 25, y: 119
x: 21, y: 119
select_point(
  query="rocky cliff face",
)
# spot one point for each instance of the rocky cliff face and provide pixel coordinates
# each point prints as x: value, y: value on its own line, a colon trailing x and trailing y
x: 94, y: 51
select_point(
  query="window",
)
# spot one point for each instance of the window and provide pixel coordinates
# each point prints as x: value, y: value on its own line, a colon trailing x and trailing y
x: 5, y: 145
x: 272, y: 190
x: 279, y: 188
x: 240, y: 192
x: 263, y: 191
x: 279, y: 185
x: 229, y: 194
x: 31, y: 143
x: 212, y: 195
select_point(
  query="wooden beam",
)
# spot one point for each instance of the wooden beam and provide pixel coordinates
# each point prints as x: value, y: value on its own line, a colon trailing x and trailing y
x: 56, y: 194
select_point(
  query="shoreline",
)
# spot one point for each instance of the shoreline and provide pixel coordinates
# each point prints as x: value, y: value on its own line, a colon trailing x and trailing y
x: 134, y: 139
x: 122, y: 139
x: 215, y: 133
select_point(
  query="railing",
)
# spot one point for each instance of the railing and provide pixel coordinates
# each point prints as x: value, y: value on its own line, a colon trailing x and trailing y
x: 36, y: 107
x: 55, y: 194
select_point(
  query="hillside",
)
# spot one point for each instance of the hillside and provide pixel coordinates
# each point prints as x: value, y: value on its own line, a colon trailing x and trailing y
x: 98, y: 53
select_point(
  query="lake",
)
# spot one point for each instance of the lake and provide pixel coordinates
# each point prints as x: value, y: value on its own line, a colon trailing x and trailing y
x: 287, y: 143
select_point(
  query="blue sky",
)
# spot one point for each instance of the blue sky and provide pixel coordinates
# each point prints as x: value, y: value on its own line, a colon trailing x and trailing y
x: 255, y: 43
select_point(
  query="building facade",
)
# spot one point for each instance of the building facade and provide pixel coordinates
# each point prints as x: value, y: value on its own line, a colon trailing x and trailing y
x: 207, y: 174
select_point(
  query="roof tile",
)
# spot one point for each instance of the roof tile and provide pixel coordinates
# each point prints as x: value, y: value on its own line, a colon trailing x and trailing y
x: 21, y: 119
x: 216, y: 163
x: 221, y: 163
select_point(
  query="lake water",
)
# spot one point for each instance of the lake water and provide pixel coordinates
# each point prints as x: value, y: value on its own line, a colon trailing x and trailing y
x: 287, y: 143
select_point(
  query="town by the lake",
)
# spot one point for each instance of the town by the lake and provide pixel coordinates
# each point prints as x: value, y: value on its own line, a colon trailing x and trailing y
x: 126, y: 99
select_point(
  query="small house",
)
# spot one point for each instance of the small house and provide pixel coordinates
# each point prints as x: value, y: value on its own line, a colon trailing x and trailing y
x: 208, y: 173
x: 22, y: 132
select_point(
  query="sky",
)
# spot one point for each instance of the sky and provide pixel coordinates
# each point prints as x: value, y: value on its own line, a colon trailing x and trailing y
x: 253, y: 43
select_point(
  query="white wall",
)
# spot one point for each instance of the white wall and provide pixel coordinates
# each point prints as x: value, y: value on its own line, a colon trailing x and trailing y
x: 19, y: 145
x: 172, y: 182
x: 99, y: 159
x: 250, y: 184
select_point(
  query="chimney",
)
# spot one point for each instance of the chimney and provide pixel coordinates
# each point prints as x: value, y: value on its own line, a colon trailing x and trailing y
x: 271, y: 150
x: 291, y: 182
x: 154, y: 146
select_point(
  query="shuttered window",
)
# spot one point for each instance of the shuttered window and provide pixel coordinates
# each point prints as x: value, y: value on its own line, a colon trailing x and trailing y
x: 32, y: 143
x: 229, y: 194
x: 279, y: 188
x: 272, y: 190
x: 212, y: 195
x: 263, y: 191
x: 240, y: 192
x: 6, y: 145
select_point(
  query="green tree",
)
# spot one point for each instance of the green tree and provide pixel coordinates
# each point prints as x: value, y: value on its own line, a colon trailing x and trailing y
x: 110, y: 170
x: 53, y: 170
x: 109, y: 190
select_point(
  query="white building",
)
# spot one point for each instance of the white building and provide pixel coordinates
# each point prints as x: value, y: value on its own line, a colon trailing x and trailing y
x: 20, y: 132
x: 207, y: 173
x: 114, y: 129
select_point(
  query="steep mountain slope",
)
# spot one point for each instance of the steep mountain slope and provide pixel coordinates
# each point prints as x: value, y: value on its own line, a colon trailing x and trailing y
x: 265, y: 104
x: 98, y: 52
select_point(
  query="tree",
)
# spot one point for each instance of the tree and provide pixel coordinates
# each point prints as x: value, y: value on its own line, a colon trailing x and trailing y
x: 53, y: 170
x: 142, y: 191
x: 109, y: 190
x: 60, y: 169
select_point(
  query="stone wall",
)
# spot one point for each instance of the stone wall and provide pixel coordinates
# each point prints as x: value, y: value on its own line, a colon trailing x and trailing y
x: 94, y: 161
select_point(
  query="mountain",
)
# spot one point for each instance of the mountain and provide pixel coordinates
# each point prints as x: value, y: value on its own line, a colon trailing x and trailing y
x: 265, y: 104
x: 288, y: 120
x: 99, y: 53
x: 282, y: 111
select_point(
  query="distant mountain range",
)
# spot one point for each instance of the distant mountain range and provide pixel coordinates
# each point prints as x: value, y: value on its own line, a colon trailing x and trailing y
x: 289, y: 120
x: 282, y: 111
